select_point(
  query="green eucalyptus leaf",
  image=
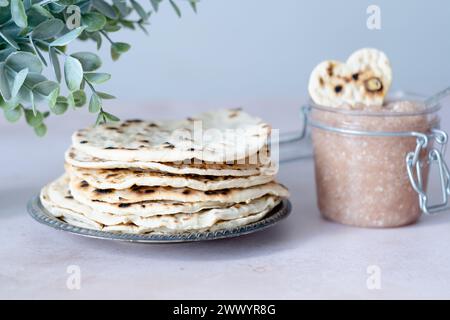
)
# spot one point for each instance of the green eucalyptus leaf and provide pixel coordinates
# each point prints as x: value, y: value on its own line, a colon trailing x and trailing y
x: 97, y: 38
x: 34, y: 78
x: 11, y: 28
x: 41, y: 11
x: 52, y: 98
x: 34, y: 119
x: 26, y: 47
x: 19, y: 80
x: 175, y: 8
x: 71, y: 100
x: 114, y: 54
x: 111, y: 27
x: 20, y: 60
x: 48, y: 29
x: 117, y: 48
x: 193, y: 4
x: 95, y: 104
x: 79, y: 98
x: 13, y: 115
x: 127, y: 24
x: 105, y: 8
x: 84, y: 36
x: 41, y: 45
x: 67, y: 2
x: 38, y: 52
x: 9, y: 40
x: 93, y: 21
x: 139, y: 9
x: 100, y: 119
x: 105, y: 96
x: 24, y: 96
x: 68, y: 37
x: 11, y: 104
x: 55, y: 62
x: 24, y: 32
x: 85, y: 6
x: 5, y: 15
x: 61, y: 105
x: 73, y: 73
x: 18, y: 13
x: 4, y: 83
x: 121, y: 5
x: 4, y: 53
x: 97, y: 78
x: 110, y: 117
x: 89, y: 61
x: 3, y: 103
x: 121, y: 47
x: 4, y: 3
x: 40, y: 130
x: 45, y: 88
x: 56, y: 7
x: 155, y: 4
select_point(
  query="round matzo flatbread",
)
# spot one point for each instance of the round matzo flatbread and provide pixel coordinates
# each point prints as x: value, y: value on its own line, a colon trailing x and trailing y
x: 126, y: 178
x: 246, y: 167
x: 143, y: 209
x: 227, y: 224
x: 83, y: 192
x: 364, y: 79
x: 72, y: 211
x: 218, y: 136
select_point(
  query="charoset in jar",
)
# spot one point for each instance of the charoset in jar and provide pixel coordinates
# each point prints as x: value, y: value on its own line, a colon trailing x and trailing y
x: 360, y: 166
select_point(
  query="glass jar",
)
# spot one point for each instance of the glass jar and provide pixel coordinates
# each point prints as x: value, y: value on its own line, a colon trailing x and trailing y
x: 372, y: 168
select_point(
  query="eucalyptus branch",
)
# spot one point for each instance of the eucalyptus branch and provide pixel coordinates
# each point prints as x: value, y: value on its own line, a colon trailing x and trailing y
x: 35, y: 35
x: 107, y: 37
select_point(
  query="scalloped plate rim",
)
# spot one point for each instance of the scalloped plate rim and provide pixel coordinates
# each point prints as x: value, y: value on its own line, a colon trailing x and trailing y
x: 37, y: 211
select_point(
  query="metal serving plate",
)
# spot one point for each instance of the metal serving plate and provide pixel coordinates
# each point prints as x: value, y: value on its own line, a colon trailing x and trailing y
x: 40, y: 214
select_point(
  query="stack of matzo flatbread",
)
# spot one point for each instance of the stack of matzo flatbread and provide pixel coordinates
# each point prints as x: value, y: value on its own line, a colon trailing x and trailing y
x: 204, y: 173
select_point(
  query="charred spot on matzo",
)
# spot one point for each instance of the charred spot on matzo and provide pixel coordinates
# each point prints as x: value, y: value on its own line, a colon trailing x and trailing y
x: 168, y: 145
x: 135, y: 188
x: 103, y: 191
x: 84, y: 184
x: 322, y: 82
x: 330, y: 69
x: 213, y: 192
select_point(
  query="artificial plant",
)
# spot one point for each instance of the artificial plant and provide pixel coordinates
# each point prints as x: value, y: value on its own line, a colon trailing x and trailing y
x: 35, y: 35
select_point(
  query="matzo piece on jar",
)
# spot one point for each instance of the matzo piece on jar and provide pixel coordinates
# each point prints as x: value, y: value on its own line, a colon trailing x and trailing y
x: 362, y: 180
